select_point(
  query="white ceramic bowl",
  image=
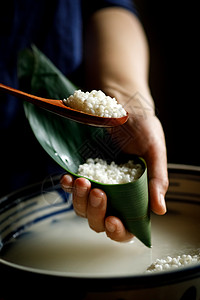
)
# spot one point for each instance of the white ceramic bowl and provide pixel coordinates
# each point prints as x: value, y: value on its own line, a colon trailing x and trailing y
x: 47, y: 251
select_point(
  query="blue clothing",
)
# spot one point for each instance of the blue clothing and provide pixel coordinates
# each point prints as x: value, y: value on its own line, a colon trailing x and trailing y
x: 56, y: 28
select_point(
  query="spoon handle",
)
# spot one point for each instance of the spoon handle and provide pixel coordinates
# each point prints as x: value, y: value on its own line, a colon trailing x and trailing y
x: 56, y: 106
x: 27, y: 97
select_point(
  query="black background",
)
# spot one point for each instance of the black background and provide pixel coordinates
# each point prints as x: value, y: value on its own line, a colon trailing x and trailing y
x: 172, y: 29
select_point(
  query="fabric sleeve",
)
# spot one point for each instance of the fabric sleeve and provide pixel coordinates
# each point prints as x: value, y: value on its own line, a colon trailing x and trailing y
x: 94, y: 5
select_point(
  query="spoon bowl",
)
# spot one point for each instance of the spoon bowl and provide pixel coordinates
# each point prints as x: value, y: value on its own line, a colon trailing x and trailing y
x: 58, y: 107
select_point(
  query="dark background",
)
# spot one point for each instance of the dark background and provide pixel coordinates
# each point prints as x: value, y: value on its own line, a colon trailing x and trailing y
x: 172, y: 29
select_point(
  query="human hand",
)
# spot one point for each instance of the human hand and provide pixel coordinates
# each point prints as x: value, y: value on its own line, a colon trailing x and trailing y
x: 91, y: 204
x: 145, y: 138
x: 142, y: 135
x: 121, y: 76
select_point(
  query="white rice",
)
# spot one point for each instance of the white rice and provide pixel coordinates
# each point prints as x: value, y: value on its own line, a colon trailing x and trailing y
x: 99, y: 170
x: 173, y: 262
x: 95, y: 103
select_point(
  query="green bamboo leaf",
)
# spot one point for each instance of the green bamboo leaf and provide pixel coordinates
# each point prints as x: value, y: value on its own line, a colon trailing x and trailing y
x: 70, y: 143
x: 44, y: 78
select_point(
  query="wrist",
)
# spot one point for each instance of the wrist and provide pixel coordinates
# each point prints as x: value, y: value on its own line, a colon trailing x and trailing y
x: 136, y: 100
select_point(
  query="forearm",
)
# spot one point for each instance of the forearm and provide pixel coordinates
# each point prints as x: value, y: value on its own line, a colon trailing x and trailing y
x: 116, y: 55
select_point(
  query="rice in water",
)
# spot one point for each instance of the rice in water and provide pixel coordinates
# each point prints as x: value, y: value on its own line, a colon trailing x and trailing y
x: 95, y: 103
x: 173, y: 262
x: 99, y: 170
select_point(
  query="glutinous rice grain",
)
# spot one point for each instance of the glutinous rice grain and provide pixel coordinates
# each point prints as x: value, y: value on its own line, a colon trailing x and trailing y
x: 95, y: 103
x: 99, y: 170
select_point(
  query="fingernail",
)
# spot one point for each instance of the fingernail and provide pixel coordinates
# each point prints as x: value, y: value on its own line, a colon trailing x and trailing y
x: 67, y: 186
x: 95, y: 201
x: 81, y: 191
x: 64, y: 184
x: 162, y: 202
x: 96, y: 198
x: 110, y: 227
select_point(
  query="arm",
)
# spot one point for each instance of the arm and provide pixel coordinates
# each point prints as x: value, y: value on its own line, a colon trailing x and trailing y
x: 117, y: 62
x: 116, y: 54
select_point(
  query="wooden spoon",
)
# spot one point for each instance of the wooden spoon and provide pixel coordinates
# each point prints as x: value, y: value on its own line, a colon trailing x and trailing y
x: 58, y: 107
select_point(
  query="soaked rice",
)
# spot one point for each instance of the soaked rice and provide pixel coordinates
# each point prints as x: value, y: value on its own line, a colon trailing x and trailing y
x: 95, y: 103
x: 99, y: 170
x: 173, y: 262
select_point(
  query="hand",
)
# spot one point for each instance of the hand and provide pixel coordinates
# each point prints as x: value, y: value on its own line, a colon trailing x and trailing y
x: 143, y: 135
x: 146, y: 139
x: 121, y: 76
x: 91, y: 204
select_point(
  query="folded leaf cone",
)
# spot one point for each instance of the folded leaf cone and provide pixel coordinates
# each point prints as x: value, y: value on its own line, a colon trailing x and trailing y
x: 70, y: 143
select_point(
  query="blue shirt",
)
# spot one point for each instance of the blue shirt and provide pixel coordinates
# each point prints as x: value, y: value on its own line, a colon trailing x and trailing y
x: 56, y: 28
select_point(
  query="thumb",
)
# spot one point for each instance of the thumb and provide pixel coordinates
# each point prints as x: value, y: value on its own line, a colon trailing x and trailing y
x: 157, y: 191
x: 156, y: 160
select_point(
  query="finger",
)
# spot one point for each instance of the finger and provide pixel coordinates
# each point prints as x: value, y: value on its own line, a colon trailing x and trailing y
x: 81, y: 191
x: 157, y: 195
x: 96, y: 210
x: 67, y: 183
x: 158, y: 185
x: 156, y: 159
x: 116, y: 231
